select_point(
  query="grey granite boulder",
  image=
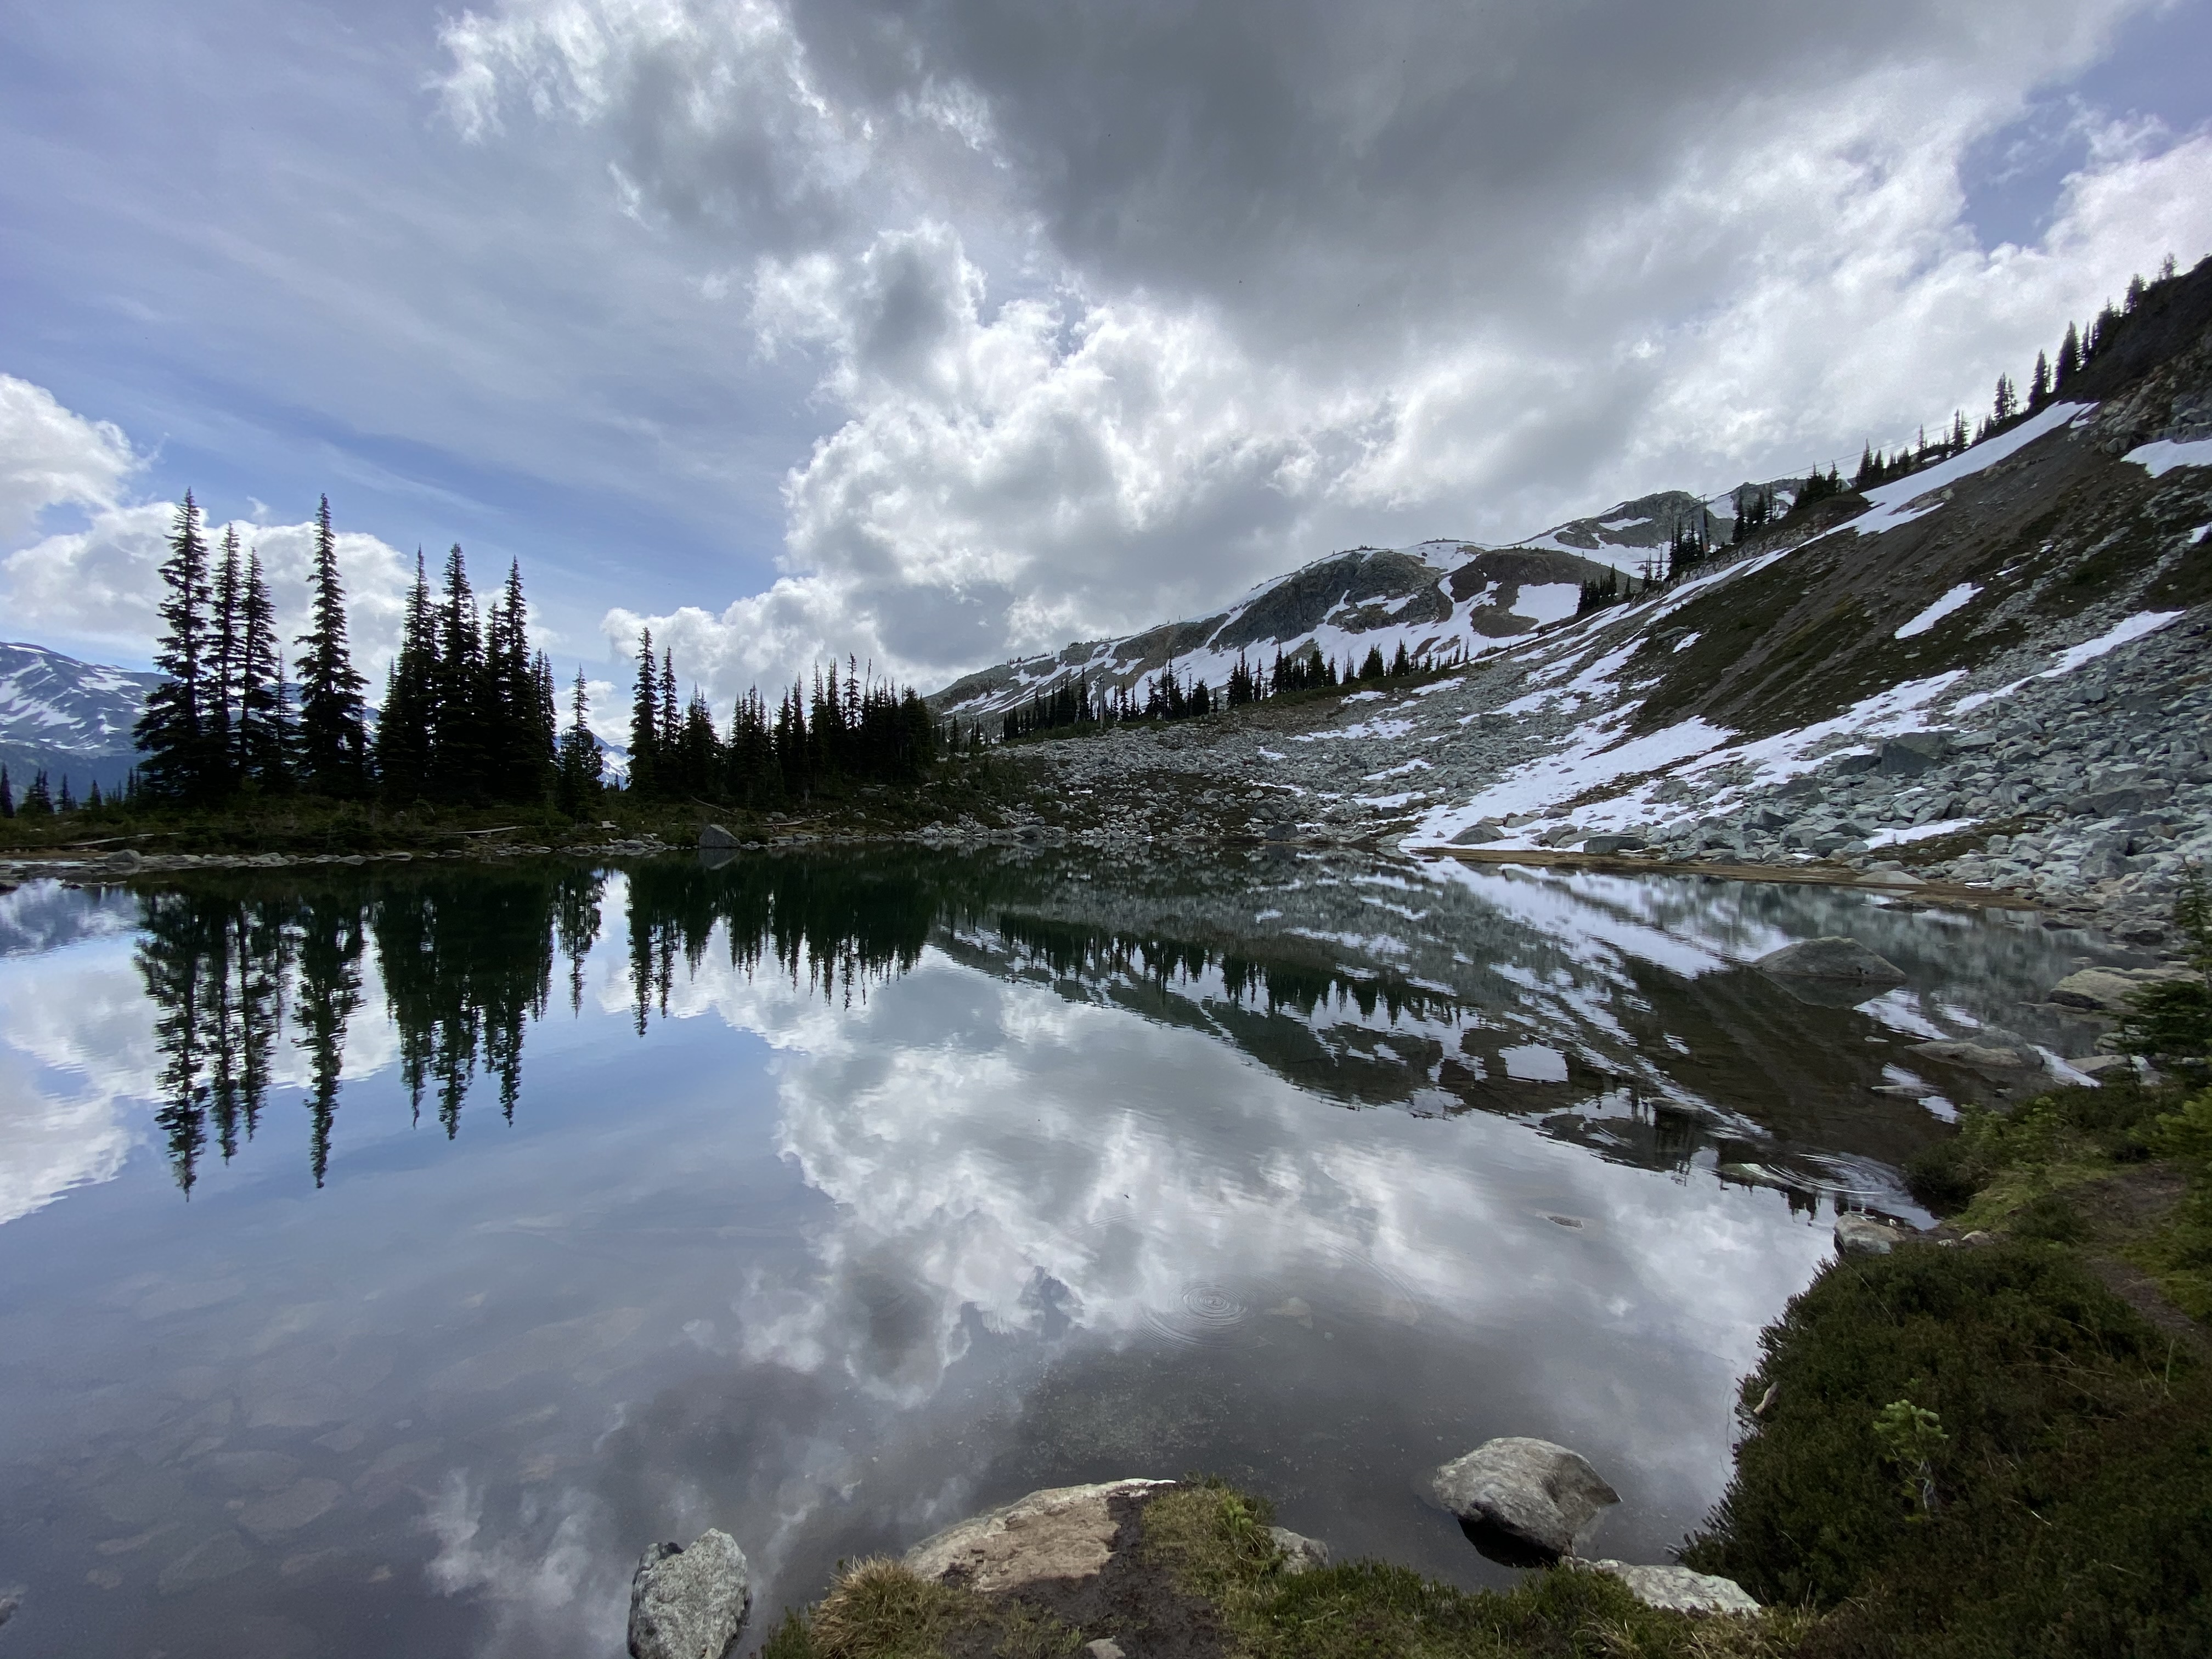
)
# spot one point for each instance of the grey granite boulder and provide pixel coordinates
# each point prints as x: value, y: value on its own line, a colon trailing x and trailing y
x: 2106, y: 990
x: 1480, y: 834
x: 713, y: 838
x: 1300, y: 1553
x: 1677, y: 1589
x: 1831, y: 958
x: 690, y: 1603
x: 1532, y: 1491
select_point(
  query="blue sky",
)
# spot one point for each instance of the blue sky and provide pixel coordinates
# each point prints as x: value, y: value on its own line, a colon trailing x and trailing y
x: 940, y: 331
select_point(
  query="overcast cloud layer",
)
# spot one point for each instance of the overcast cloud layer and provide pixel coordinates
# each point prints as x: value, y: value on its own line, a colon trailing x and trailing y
x: 941, y: 333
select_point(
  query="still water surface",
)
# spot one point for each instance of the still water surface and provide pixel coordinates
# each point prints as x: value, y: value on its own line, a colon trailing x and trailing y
x: 386, y: 1260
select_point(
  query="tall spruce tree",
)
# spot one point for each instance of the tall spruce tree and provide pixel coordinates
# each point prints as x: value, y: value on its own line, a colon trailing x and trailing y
x: 457, y: 723
x: 576, y: 789
x: 171, y: 729
x: 225, y: 642
x: 404, y: 732
x: 2069, y: 358
x: 645, y: 720
x: 333, y: 725
x: 264, y: 744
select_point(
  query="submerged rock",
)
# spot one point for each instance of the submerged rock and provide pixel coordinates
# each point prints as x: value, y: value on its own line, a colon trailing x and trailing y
x: 690, y: 1603
x: 1865, y: 1234
x: 1977, y: 1057
x: 1831, y: 958
x: 1062, y: 1532
x: 1677, y: 1589
x: 1535, y: 1493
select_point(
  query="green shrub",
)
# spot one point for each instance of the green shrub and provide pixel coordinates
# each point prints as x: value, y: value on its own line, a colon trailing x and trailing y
x: 1946, y: 1175
x: 2058, y: 1499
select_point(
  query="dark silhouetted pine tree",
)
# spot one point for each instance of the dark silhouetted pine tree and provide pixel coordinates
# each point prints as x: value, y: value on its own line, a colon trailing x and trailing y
x: 644, y: 720
x: 457, y: 739
x: 333, y: 734
x: 405, y: 733
x: 172, y: 730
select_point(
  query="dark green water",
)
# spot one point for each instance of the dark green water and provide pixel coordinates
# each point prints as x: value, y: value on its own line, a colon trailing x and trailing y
x: 386, y: 1260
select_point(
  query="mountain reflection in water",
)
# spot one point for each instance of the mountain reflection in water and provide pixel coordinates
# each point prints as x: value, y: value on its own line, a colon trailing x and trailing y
x: 825, y: 1199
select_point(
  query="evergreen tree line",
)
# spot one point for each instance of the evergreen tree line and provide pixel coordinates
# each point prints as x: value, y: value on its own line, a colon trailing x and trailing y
x: 2047, y: 383
x: 848, y: 729
x: 1168, y: 695
x: 469, y: 709
x: 41, y: 800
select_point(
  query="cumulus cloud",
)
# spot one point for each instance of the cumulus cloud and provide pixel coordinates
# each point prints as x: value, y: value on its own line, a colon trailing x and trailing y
x: 102, y: 584
x: 1112, y: 317
x: 51, y: 456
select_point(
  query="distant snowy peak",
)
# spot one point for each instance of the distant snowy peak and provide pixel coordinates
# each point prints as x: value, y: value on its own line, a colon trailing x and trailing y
x: 1440, y: 599
x: 1628, y: 535
x: 50, y: 701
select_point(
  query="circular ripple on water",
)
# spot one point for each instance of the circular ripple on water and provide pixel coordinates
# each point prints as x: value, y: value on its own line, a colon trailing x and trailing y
x: 1207, y: 1311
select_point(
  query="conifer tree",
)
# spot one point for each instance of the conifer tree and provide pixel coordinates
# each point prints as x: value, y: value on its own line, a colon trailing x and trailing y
x: 2069, y: 358
x: 2006, y: 404
x: 457, y: 739
x: 65, y: 802
x: 7, y: 795
x: 333, y: 735
x: 644, y: 719
x: 226, y: 640
x: 2038, y: 385
x: 405, y: 733
x: 668, y: 731
x: 577, y: 788
x: 38, y: 800
x: 171, y: 730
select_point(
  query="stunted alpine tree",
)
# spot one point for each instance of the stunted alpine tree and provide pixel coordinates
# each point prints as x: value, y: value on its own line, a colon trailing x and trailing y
x: 333, y: 723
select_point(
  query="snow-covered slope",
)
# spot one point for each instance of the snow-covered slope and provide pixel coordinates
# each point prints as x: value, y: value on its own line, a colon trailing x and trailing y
x: 1444, y: 601
x: 1441, y: 600
x: 1996, y: 669
x: 73, y: 718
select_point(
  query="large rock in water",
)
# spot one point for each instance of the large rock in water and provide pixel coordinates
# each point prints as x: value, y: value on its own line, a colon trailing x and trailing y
x: 2106, y: 990
x: 713, y: 838
x: 688, y: 1603
x: 1677, y: 1589
x: 1831, y: 958
x: 1062, y: 1532
x: 1531, y: 1490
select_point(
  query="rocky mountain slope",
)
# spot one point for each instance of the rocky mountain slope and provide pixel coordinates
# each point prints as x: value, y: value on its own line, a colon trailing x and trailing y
x: 1994, y: 671
x: 72, y: 718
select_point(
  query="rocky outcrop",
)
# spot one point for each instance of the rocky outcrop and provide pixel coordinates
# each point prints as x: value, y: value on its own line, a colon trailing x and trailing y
x: 1832, y: 959
x: 1536, y: 1493
x: 1677, y: 1589
x: 1865, y: 1235
x: 690, y: 1603
x: 1061, y: 1533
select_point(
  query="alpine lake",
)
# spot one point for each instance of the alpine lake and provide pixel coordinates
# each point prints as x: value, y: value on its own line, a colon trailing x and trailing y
x: 388, y: 1255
